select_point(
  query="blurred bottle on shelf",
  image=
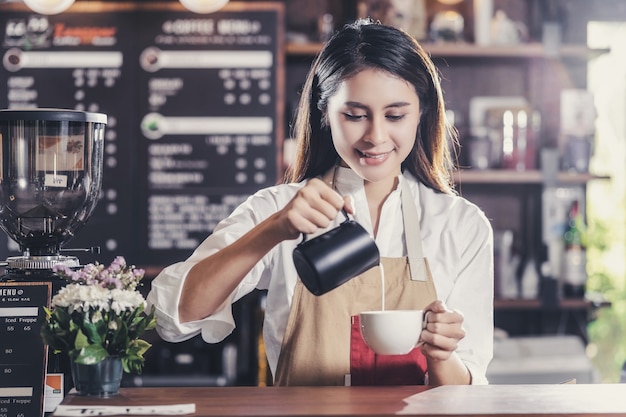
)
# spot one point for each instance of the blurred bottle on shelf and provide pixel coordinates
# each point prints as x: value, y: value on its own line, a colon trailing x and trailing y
x: 519, y: 133
x: 574, y: 275
x: 530, y: 280
x: 549, y: 288
x: 483, y: 13
x: 325, y: 27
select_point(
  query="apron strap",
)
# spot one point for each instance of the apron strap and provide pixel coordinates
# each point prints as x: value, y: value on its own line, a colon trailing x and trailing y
x: 412, y: 234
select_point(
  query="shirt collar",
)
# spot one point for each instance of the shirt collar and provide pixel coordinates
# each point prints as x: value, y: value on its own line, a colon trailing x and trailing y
x: 348, y: 182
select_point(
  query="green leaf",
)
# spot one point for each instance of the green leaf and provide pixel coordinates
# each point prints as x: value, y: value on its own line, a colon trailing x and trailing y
x: 138, y: 347
x: 142, y: 324
x: 133, y: 359
x: 62, y: 317
x: 119, y: 338
x: 90, y: 330
x: 81, y: 340
x: 57, y: 340
x: 91, y: 354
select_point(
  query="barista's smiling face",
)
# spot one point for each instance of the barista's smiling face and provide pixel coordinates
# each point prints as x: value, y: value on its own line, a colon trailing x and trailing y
x: 373, y: 118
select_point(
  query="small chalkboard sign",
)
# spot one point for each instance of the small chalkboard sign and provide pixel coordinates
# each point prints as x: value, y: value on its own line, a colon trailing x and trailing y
x: 23, y: 355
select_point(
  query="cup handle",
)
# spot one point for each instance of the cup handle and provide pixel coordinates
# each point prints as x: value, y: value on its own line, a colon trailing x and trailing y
x: 420, y: 342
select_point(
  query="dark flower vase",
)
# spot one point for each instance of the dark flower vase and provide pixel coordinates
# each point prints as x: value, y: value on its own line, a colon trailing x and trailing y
x: 102, y: 379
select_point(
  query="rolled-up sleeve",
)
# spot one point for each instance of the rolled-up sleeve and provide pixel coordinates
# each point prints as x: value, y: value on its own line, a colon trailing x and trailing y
x: 164, y: 296
x: 167, y: 287
x: 472, y: 292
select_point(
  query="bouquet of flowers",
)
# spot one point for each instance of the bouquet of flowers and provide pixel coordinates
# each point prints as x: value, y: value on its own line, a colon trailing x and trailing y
x: 98, y: 314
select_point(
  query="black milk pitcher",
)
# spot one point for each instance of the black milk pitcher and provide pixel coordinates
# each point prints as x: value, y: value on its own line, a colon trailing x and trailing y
x: 333, y: 258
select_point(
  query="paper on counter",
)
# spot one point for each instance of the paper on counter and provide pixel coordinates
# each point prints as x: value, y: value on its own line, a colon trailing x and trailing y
x: 104, y: 410
x: 528, y: 399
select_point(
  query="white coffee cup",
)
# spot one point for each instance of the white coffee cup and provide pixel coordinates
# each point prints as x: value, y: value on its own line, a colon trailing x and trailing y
x: 392, y: 332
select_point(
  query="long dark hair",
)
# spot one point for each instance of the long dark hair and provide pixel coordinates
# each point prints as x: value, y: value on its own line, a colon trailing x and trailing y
x: 366, y: 44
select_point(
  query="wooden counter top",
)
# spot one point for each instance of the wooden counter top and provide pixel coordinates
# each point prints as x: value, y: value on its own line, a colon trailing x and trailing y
x: 578, y: 400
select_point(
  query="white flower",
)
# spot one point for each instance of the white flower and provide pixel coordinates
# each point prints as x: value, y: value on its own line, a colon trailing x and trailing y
x: 96, y: 316
x: 77, y: 297
x: 123, y: 300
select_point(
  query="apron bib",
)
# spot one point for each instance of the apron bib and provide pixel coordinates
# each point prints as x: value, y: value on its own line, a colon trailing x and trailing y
x: 322, y: 342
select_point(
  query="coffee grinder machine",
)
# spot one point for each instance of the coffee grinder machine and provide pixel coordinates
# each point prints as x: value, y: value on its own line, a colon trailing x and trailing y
x: 50, y: 181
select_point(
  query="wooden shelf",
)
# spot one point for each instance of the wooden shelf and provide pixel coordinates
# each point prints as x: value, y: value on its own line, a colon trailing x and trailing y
x: 527, y: 50
x: 469, y: 50
x: 503, y: 176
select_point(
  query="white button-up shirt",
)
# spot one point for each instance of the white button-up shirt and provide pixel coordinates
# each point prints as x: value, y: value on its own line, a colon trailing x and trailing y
x: 457, y: 240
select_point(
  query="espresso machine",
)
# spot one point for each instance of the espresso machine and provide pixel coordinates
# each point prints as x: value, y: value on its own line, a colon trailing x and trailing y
x: 51, y: 165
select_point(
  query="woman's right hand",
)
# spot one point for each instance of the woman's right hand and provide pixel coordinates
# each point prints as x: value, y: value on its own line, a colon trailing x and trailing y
x: 213, y: 279
x: 313, y: 207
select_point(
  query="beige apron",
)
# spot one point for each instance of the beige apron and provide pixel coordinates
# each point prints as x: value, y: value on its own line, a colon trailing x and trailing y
x: 316, y: 348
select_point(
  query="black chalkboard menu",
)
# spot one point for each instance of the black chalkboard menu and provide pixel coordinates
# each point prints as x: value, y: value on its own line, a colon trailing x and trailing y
x: 194, y: 108
x: 208, y: 94
x: 23, y: 356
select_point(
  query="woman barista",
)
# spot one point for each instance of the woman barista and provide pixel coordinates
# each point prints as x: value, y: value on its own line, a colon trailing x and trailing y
x: 372, y: 140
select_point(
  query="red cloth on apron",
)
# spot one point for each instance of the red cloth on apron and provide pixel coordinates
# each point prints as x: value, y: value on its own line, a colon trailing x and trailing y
x: 369, y: 368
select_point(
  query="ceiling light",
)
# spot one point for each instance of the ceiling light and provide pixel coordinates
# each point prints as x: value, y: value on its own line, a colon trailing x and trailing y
x: 204, y: 6
x: 49, y: 6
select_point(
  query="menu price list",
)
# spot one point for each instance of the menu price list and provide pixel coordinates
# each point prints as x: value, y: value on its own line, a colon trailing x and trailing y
x: 23, y: 355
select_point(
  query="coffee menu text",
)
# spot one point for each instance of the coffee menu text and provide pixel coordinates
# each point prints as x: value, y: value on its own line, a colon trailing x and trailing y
x: 194, y: 116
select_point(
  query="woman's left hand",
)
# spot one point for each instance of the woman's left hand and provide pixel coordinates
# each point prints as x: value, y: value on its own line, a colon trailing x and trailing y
x: 443, y: 331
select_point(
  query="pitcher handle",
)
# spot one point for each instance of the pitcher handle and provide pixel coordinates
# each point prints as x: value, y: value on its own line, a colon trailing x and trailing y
x: 345, y: 215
